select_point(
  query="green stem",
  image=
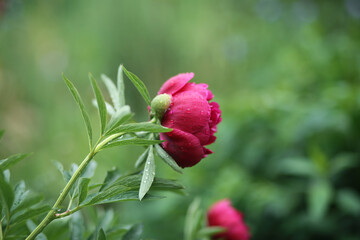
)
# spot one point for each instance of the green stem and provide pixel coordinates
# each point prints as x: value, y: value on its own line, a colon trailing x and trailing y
x: 52, y: 213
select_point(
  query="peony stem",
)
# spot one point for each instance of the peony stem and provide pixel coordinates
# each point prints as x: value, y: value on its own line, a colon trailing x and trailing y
x: 52, y: 213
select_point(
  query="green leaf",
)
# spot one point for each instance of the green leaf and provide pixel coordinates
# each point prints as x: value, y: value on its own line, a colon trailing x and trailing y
x: 2, y: 131
x: 302, y: 167
x: 31, y: 226
x: 143, y: 126
x: 140, y: 86
x: 30, y: 213
x: 349, y: 201
x: 111, y: 177
x: 319, y: 197
x: 131, y: 195
x: 76, y: 226
x: 209, y: 231
x: 6, y: 192
x: 119, y: 117
x: 134, y: 233
x: 192, y: 220
x: 131, y: 141
x: 167, y: 158
x: 12, y: 160
x: 80, y: 103
x: 114, y: 94
x: 101, y: 235
x: 121, y: 86
x: 101, y: 103
x: 29, y: 201
x: 20, y: 194
x: 98, y: 197
x: 148, y: 174
x: 83, y: 189
x: 89, y: 170
x: 66, y: 175
x: 142, y: 158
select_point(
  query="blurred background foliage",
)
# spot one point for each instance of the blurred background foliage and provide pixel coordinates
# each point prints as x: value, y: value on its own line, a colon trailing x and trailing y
x: 286, y: 75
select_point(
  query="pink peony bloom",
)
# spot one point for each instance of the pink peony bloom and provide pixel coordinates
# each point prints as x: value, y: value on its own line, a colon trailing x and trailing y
x: 192, y: 117
x: 222, y: 214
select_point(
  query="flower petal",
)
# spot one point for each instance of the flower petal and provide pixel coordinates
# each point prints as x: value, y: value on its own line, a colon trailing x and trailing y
x: 175, y: 83
x: 183, y: 147
x: 189, y: 112
x: 200, y: 88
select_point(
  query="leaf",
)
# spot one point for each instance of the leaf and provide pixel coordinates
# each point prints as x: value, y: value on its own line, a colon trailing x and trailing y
x: 143, y: 126
x: 12, y: 160
x: 148, y: 174
x: 167, y: 158
x: 131, y: 141
x: 20, y: 194
x: 349, y: 201
x: 192, y: 220
x: 121, y: 86
x: 29, y: 201
x: 140, y: 86
x: 134, y: 233
x: 114, y: 94
x: 6, y: 192
x: 98, y: 197
x: 83, y: 189
x: 101, y: 103
x: 120, y: 117
x: 76, y: 226
x: 111, y: 177
x: 60, y: 167
x: 101, y: 235
x: 2, y: 131
x: 80, y: 103
x: 210, y: 231
x: 302, y: 167
x: 131, y: 195
x: 30, y: 213
x: 142, y: 158
x: 31, y: 226
x: 319, y: 197
x: 89, y: 170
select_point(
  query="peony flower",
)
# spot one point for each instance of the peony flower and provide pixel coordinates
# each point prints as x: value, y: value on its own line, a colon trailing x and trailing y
x: 222, y: 214
x: 191, y: 116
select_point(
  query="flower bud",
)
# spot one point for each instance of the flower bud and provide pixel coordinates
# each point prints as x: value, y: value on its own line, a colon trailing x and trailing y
x: 160, y: 104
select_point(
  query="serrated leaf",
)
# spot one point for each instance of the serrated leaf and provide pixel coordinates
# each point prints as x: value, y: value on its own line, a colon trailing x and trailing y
x: 140, y: 86
x: 148, y: 174
x: 6, y: 192
x: 119, y: 117
x: 12, y: 160
x: 101, y: 103
x: 142, y: 127
x: 111, y: 177
x: 113, y: 92
x: 80, y: 103
x: 101, y: 235
x: 142, y: 158
x: 30, y: 213
x: 131, y: 141
x: 20, y: 194
x: 27, y: 203
x: 31, y: 226
x: 121, y: 86
x: 83, y: 189
x: 167, y: 158
x: 134, y: 233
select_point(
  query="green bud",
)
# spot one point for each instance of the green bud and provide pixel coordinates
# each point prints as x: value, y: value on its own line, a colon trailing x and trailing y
x: 160, y: 104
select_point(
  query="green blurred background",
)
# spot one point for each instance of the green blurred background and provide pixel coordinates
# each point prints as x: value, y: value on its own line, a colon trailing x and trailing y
x: 286, y: 75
